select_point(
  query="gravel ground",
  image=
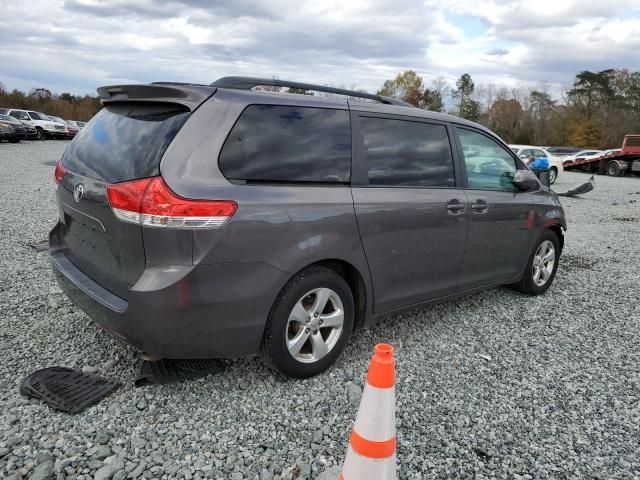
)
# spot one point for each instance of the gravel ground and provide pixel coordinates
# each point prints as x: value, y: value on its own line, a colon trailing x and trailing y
x: 495, y: 385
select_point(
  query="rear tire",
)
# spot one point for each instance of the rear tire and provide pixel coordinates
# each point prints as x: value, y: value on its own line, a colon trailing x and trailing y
x: 309, y: 346
x: 539, y: 274
x: 553, y: 175
x: 613, y: 169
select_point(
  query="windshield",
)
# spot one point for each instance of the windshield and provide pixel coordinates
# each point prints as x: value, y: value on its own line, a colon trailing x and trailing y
x: 7, y: 118
x: 38, y: 116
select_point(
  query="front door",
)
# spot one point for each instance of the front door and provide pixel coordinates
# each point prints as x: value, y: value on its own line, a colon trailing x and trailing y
x: 500, y: 216
x: 410, y: 211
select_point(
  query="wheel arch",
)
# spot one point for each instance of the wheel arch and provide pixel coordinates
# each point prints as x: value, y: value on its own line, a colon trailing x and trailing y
x: 355, y: 279
x: 559, y: 231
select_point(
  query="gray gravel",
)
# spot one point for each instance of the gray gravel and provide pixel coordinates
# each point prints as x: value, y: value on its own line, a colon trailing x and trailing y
x: 495, y: 385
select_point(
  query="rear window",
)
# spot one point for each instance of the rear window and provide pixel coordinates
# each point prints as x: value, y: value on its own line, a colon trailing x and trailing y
x: 271, y: 143
x: 406, y: 153
x: 124, y: 142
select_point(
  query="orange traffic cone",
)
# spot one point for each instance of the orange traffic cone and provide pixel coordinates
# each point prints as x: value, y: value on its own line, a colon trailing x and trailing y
x: 372, y: 447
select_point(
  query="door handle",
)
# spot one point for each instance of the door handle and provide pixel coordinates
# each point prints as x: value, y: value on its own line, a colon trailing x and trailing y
x: 455, y: 206
x: 480, y: 206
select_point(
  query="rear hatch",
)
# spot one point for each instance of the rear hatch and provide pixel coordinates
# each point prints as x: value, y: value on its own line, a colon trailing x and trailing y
x: 125, y: 141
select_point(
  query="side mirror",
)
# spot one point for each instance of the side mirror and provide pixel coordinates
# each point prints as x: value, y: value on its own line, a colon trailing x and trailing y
x: 525, y: 180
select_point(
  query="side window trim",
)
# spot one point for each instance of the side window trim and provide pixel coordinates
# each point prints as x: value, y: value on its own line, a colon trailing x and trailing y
x: 460, y: 155
x: 360, y: 167
x: 359, y: 172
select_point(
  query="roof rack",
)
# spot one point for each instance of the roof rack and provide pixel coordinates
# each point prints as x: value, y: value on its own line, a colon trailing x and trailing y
x: 247, y: 83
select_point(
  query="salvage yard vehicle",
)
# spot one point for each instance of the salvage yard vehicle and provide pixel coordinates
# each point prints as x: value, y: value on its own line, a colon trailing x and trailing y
x: 582, y: 154
x: 76, y: 123
x: 562, y: 151
x: 215, y: 220
x: 45, y: 128
x: 527, y: 151
x: 11, y: 132
x: 22, y: 132
x: 615, y: 162
x: 29, y: 130
x: 72, y: 130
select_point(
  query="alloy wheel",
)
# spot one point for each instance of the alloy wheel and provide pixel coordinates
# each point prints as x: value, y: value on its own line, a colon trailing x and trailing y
x: 543, y: 263
x: 314, y: 325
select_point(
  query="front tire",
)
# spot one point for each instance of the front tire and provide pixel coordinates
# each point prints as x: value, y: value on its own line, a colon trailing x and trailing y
x: 40, y: 134
x: 542, y: 265
x: 553, y: 175
x: 309, y: 324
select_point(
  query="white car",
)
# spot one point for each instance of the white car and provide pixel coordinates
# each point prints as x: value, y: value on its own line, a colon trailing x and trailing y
x: 613, y: 151
x: 46, y: 128
x: 582, y: 154
x: 527, y: 151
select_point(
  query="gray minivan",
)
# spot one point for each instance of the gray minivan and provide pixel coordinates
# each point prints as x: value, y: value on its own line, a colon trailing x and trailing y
x: 225, y: 221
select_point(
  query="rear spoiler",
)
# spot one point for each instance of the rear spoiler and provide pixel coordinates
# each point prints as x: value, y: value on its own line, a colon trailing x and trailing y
x: 187, y: 95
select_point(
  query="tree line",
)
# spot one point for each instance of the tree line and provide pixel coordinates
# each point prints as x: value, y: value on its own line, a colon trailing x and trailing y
x: 64, y: 105
x: 596, y: 111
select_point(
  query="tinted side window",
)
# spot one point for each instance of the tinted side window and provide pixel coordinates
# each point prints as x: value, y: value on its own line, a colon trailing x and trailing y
x: 407, y: 153
x: 492, y: 168
x: 288, y: 144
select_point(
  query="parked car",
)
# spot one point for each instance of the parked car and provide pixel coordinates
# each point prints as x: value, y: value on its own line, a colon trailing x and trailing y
x: 61, y: 126
x: 562, y: 151
x: 9, y: 131
x: 612, y: 151
x: 218, y: 221
x: 18, y: 126
x: 569, y: 159
x: 45, y: 128
x: 30, y: 131
x: 526, y: 152
x: 79, y: 125
x: 72, y: 130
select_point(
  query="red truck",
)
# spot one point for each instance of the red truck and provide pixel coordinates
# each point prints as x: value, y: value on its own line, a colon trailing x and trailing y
x: 614, y: 164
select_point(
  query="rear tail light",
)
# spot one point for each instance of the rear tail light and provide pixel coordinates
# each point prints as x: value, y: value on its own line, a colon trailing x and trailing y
x: 59, y: 173
x: 150, y: 202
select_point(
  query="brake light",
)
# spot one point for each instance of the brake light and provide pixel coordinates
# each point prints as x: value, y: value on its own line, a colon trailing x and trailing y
x: 59, y: 173
x: 150, y: 202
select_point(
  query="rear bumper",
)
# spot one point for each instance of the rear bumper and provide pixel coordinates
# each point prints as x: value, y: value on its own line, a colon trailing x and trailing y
x: 214, y: 311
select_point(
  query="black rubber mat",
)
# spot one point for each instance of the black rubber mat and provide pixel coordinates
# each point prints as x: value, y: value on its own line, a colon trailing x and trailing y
x: 65, y: 389
x: 169, y: 371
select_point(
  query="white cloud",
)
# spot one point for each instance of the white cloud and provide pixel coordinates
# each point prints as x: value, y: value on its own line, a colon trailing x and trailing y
x: 77, y: 45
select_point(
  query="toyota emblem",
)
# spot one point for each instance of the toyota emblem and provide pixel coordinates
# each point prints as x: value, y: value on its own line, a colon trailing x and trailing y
x: 78, y: 192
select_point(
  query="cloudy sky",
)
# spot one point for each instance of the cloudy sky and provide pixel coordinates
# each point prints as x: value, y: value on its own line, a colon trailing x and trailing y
x: 77, y: 45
